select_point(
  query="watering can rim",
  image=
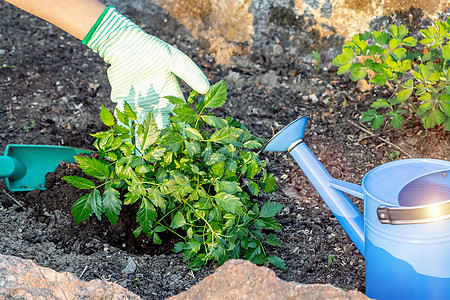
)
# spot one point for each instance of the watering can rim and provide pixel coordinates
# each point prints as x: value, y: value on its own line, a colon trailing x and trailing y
x: 441, y: 165
x: 286, y: 146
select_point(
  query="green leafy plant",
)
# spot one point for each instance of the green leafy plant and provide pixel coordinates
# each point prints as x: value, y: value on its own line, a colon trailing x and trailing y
x: 194, y: 179
x: 316, y: 56
x: 418, y: 79
x: 4, y: 66
x: 330, y: 260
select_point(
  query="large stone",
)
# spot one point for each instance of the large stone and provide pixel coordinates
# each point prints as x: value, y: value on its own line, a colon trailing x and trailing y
x: 296, y: 27
x: 23, y: 279
x: 226, y: 25
x: 239, y: 279
x: 349, y: 17
x: 236, y: 279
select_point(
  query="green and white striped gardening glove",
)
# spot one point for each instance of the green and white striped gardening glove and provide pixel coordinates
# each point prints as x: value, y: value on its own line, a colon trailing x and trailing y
x: 143, y: 67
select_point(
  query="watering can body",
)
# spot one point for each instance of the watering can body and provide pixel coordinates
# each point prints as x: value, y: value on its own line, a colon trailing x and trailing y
x: 405, y: 232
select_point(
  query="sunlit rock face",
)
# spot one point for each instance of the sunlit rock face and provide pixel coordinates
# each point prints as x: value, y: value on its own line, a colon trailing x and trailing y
x: 226, y: 25
x: 292, y: 27
x: 349, y: 17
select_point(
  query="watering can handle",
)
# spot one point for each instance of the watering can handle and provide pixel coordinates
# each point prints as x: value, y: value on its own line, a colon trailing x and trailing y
x: 347, y: 187
x: 414, y: 214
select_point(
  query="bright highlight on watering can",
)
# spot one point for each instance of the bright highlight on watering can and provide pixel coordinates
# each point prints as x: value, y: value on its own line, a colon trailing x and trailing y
x: 404, y: 234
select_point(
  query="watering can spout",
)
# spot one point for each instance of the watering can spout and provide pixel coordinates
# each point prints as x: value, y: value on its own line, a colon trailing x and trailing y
x: 332, y: 191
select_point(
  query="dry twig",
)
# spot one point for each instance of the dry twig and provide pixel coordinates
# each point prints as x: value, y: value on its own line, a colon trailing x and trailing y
x: 17, y: 202
x: 361, y: 127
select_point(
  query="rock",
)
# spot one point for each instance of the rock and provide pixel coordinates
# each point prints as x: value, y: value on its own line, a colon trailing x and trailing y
x: 239, y: 279
x: 277, y: 49
x: 210, y: 20
x: 23, y: 279
x: 233, y: 77
x: 131, y: 266
x: 364, y: 86
x: 269, y: 79
x: 314, y: 98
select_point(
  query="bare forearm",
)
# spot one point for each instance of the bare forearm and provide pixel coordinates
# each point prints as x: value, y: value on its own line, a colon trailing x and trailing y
x: 73, y: 16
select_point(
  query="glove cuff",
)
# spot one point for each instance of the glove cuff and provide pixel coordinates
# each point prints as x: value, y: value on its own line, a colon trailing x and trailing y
x: 109, y: 27
x: 88, y: 37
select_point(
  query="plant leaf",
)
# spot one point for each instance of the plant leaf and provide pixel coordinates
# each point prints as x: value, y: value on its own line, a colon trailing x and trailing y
x: 396, y: 120
x: 273, y: 240
x: 253, y: 188
x: 79, y: 182
x: 111, y: 204
x: 377, y: 121
x: 269, y: 183
x: 252, y: 144
x: 277, y: 262
x: 180, y: 246
x: 358, y: 74
x: 156, y: 197
x: 378, y: 79
x: 380, y: 37
x: 150, y: 133
x: 399, y: 53
x: 146, y: 215
x: 156, y: 239
x: 445, y: 104
x: 193, y: 134
x: 93, y: 167
x: 184, y: 114
x: 214, y: 121
x: 230, y: 187
x: 270, y: 209
x: 446, y: 52
x: 95, y: 201
x: 216, y: 96
x: 178, y: 220
x: 228, y: 202
x: 225, y: 135
x: 81, y: 210
x: 106, y: 116
x: 345, y: 58
x: 129, y: 111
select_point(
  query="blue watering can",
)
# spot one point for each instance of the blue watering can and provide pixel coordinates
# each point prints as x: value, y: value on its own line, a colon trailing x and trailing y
x: 405, y: 232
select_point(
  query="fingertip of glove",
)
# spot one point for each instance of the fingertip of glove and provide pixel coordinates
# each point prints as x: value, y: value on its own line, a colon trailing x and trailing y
x: 203, y: 88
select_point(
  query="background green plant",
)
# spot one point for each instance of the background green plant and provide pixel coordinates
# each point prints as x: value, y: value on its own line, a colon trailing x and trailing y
x: 194, y: 179
x: 317, y: 60
x: 418, y: 78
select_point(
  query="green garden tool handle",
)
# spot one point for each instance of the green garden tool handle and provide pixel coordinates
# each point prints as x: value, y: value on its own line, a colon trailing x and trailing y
x: 12, y: 168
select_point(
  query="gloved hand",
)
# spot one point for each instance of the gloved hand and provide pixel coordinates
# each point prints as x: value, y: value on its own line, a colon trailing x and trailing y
x: 143, y: 67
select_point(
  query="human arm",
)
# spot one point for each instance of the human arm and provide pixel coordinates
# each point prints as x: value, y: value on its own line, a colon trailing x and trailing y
x: 73, y: 16
x: 143, y: 68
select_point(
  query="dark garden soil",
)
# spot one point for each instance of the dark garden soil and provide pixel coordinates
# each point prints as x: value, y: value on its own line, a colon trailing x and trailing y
x: 53, y: 94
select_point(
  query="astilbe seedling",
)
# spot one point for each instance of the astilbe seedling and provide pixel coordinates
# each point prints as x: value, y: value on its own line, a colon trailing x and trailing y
x: 419, y: 79
x: 195, y: 179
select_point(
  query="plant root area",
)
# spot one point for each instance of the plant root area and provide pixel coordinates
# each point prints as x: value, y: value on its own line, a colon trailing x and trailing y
x: 52, y: 96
